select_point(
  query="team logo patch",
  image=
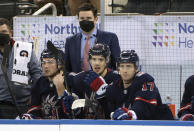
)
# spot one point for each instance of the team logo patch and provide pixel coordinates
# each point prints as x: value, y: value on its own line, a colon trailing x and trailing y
x: 49, y: 107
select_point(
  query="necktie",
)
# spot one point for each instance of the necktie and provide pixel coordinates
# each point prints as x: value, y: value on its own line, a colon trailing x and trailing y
x: 85, y: 65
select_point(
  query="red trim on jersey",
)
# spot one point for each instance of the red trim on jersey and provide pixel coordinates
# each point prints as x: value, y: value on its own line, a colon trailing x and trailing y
x: 185, y: 117
x: 150, y: 88
x: 152, y: 101
x: 108, y: 70
x: 33, y: 108
x: 119, y: 84
x: 187, y: 106
x: 63, y: 105
x: 144, y: 87
x: 96, y: 84
x: 130, y: 115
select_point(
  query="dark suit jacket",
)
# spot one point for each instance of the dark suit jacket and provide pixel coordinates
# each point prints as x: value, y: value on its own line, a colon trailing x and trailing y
x: 73, y: 49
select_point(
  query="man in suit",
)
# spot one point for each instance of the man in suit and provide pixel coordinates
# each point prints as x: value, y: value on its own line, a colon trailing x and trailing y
x: 77, y: 47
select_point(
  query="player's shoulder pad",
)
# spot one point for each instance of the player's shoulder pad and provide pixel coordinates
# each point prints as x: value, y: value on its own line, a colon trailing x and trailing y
x: 144, y: 76
x: 75, y: 74
x: 139, y: 74
x: 190, y: 80
x: 37, y: 86
x: 42, y: 79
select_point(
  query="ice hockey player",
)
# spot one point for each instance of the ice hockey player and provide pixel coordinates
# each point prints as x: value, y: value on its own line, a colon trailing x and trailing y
x: 134, y: 96
x: 50, y: 100
x: 186, y: 112
x: 99, y: 57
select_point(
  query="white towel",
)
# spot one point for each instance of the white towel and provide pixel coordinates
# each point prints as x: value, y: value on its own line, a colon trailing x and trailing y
x: 22, y: 55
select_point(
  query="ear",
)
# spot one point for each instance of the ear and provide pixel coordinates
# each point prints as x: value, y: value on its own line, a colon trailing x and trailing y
x: 96, y: 19
x: 77, y: 17
x: 59, y: 66
x: 107, y: 60
x: 10, y: 33
x: 90, y: 61
x: 118, y: 69
x: 136, y: 69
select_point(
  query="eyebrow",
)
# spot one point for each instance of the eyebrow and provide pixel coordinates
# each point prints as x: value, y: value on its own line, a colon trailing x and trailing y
x: 85, y: 17
x: 4, y: 31
x: 48, y: 60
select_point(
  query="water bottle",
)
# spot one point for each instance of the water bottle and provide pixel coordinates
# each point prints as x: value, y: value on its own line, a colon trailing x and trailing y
x: 171, y: 106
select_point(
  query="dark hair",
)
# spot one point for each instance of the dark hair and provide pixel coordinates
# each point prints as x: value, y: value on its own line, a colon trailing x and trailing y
x: 6, y: 22
x: 100, y: 49
x: 87, y: 7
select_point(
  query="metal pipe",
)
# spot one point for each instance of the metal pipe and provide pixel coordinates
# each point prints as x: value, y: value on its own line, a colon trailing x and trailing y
x: 181, y: 72
x: 45, y: 7
x: 178, y: 13
x: 102, y: 12
x: 167, y: 13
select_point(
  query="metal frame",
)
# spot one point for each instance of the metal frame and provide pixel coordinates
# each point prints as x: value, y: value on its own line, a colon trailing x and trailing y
x: 45, y: 7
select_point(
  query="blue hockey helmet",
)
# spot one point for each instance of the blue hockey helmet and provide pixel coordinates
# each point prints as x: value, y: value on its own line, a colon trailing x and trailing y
x: 100, y: 49
x: 46, y: 53
x: 128, y: 56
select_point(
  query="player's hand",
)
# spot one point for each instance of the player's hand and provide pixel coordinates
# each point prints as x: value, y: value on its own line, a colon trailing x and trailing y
x: 123, y: 114
x: 67, y: 102
x: 58, y: 79
x: 95, y: 82
x: 27, y: 116
x: 77, y: 111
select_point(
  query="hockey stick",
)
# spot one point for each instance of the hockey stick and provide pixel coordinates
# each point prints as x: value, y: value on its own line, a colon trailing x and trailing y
x: 56, y: 52
x: 81, y: 103
x: 91, y: 103
x: 5, y: 61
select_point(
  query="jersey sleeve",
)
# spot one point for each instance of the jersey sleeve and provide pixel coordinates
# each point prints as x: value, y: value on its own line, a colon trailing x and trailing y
x: 76, y: 83
x: 35, y: 106
x: 146, y: 101
x: 186, y: 99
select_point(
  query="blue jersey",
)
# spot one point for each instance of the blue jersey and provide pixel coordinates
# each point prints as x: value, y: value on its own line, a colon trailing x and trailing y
x: 44, y: 101
x: 77, y: 84
x: 142, y: 96
x: 186, y: 99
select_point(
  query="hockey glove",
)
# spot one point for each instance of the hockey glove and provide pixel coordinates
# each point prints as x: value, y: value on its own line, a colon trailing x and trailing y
x: 28, y: 116
x: 77, y: 111
x: 67, y: 101
x: 187, y: 117
x: 123, y: 114
x: 95, y: 82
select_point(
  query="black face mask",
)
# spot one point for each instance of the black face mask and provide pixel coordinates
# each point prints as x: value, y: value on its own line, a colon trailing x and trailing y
x: 86, y: 25
x: 4, y: 39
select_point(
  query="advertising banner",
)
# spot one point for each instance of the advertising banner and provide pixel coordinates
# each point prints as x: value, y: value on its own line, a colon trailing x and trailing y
x: 157, y: 39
